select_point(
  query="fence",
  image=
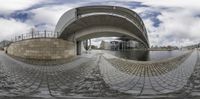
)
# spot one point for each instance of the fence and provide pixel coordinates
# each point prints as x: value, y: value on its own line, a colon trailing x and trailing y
x: 37, y: 34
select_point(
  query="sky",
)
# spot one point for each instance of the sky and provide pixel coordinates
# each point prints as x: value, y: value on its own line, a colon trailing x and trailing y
x: 168, y: 22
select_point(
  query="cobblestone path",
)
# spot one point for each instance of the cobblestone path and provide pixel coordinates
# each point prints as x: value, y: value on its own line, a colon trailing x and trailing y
x: 80, y: 77
x: 150, y: 78
x: 99, y: 75
x: 193, y: 85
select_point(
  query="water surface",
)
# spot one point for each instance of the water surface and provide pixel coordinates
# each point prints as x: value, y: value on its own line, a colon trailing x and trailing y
x: 145, y: 55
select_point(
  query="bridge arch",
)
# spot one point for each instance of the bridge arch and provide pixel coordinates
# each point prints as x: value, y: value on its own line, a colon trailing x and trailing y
x: 101, y: 21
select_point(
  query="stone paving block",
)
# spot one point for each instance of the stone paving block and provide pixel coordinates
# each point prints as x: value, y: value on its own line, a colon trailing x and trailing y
x: 75, y: 77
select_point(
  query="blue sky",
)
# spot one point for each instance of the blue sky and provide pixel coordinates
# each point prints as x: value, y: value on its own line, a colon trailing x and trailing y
x: 168, y: 22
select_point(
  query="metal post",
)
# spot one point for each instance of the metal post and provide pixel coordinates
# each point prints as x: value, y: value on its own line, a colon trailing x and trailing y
x: 114, y: 46
x: 90, y: 43
x: 57, y: 34
x: 125, y: 45
x: 22, y: 36
x: 32, y: 34
x: 45, y: 33
x: 74, y: 37
x: 4, y: 44
x: 122, y: 45
x: 86, y: 46
x: 38, y: 34
x: 118, y: 46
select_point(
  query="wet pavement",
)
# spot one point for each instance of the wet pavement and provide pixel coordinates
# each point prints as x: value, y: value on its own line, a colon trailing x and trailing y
x: 102, y: 75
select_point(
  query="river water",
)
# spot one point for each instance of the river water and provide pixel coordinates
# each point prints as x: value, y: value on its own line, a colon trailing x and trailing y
x: 145, y: 55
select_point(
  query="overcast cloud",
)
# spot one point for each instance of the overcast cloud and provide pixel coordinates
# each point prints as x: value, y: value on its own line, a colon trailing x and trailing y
x: 169, y: 22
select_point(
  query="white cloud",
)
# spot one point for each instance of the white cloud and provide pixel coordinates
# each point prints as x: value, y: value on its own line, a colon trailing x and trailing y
x: 192, y: 4
x: 10, y: 28
x: 9, y: 6
x: 178, y: 27
x: 48, y: 15
x: 179, y: 24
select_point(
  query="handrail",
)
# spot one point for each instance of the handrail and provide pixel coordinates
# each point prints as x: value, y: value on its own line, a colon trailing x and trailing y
x: 33, y: 35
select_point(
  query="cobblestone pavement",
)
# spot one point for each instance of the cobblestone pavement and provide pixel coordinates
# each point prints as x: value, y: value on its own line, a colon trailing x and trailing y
x: 101, y: 75
x: 193, y: 85
x: 151, y: 78
x: 80, y: 77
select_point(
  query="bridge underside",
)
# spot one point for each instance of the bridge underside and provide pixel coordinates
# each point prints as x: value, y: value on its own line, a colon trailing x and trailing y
x: 94, y: 25
x: 102, y: 26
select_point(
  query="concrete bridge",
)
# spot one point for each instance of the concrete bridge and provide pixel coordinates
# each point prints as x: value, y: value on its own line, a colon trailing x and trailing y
x: 79, y: 24
x: 97, y: 74
x: 88, y: 22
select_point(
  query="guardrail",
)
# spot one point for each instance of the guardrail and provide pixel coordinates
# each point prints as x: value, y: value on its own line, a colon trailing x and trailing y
x: 37, y: 34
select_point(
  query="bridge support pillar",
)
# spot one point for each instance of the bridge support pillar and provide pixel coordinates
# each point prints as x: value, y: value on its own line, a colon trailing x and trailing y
x: 78, y: 47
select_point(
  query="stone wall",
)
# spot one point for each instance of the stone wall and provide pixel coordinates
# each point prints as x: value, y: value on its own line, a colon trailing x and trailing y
x: 42, y: 48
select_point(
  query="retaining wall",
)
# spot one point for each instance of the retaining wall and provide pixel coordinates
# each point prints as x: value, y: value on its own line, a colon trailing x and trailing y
x: 42, y: 48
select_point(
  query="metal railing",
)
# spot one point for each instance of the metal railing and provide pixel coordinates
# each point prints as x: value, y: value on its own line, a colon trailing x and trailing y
x: 33, y: 35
